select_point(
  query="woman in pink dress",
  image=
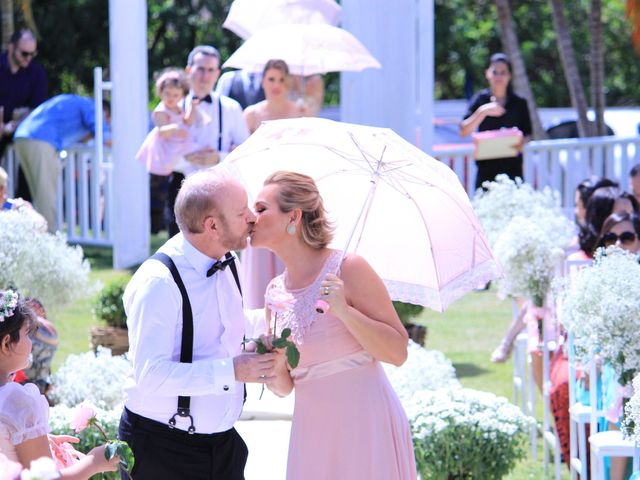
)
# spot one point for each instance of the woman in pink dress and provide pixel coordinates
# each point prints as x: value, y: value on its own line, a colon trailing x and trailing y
x: 259, y: 265
x: 348, y: 422
x: 171, y: 138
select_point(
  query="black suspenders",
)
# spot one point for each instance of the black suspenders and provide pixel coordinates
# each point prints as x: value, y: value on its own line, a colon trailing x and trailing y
x: 186, y: 346
x: 219, y: 103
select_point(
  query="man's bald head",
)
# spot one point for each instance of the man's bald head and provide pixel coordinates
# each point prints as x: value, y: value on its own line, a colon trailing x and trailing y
x: 201, y: 195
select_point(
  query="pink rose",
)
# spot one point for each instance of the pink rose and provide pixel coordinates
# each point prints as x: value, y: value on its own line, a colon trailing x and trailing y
x: 84, y: 413
x: 279, y: 301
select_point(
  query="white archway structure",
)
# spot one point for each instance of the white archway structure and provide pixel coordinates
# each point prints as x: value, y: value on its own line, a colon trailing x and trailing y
x: 400, y: 34
x: 129, y: 126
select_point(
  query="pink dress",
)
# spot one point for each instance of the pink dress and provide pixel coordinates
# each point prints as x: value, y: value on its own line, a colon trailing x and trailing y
x: 258, y: 267
x: 159, y: 155
x: 347, y: 422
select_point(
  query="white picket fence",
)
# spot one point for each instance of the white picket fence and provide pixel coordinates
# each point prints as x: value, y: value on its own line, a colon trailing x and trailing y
x: 559, y: 164
x: 86, y: 205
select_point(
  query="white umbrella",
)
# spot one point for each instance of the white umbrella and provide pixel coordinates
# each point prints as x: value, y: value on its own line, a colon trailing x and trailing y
x: 307, y: 49
x: 399, y: 208
x: 246, y: 17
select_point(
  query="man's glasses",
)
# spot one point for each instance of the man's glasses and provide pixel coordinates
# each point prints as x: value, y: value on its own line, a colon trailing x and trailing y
x: 27, y: 55
x: 625, y: 238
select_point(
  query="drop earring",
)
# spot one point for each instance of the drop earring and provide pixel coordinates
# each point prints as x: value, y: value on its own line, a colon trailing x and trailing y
x: 291, y: 228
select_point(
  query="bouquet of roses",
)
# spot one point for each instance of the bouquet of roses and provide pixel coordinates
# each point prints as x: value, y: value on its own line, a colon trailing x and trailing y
x: 601, y: 308
x: 278, y: 302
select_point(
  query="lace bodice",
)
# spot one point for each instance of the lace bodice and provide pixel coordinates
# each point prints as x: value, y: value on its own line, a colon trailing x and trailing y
x: 303, y: 314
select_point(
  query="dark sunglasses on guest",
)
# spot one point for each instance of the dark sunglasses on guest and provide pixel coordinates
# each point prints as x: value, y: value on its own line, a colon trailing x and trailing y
x: 625, y: 238
x: 27, y: 55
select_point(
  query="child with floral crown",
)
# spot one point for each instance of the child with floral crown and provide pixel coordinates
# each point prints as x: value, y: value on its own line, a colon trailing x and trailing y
x: 172, y: 137
x: 24, y: 411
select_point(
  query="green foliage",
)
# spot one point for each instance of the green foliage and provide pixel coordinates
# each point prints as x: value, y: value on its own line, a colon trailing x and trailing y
x: 108, y: 305
x: 407, y: 311
x: 468, y: 32
x: 122, y: 450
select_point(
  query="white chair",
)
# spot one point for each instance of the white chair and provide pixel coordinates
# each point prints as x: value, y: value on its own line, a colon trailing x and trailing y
x: 524, y: 388
x: 606, y: 443
x: 579, y: 414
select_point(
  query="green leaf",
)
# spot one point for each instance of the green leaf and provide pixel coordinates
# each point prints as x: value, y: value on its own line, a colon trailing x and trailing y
x: 110, y: 450
x: 279, y: 342
x: 285, y: 333
x: 293, y: 355
x: 261, y: 348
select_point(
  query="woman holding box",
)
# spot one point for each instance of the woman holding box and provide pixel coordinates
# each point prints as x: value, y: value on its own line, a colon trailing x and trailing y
x: 495, y: 108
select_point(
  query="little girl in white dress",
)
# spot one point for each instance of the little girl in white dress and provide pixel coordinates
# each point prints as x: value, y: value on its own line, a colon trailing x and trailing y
x: 24, y: 412
x: 172, y: 137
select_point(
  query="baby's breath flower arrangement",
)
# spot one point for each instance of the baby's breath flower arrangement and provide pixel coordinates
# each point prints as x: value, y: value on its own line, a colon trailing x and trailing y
x: 528, y: 233
x: 528, y: 258
x: 601, y: 308
x: 423, y: 370
x: 94, y: 377
x: 39, y: 264
x: 504, y: 199
x: 464, y: 433
x: 631, y: 422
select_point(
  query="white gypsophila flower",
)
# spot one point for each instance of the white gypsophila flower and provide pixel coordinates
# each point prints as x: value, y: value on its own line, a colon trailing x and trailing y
x: 601, y: 307
x: 97, y: 378
x: 506, y: 198
x: 631, y: 426
x: 466, y: 432
x: 40, y: 264
x: 423, y: 370
x: 528, y: 258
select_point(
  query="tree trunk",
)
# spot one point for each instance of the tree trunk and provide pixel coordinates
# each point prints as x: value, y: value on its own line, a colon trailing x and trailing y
x: 567, y: 56
x: 521, y: 81
x: 6, y: 10
x: 597, y: 66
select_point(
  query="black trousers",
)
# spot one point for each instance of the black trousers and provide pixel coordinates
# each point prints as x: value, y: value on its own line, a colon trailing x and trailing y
x: 488, y: 169
x: 175, y: 182
x: 163, y: 453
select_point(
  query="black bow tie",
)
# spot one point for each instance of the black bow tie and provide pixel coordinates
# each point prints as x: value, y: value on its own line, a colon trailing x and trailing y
x: 206, y: 98
x: 219, y: 265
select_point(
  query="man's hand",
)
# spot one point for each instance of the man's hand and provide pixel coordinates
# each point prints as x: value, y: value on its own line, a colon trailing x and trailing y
x: 204, y: 158
x: 253, y: 367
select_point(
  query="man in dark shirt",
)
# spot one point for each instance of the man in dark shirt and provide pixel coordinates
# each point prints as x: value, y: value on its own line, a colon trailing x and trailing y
x: 23, y: 81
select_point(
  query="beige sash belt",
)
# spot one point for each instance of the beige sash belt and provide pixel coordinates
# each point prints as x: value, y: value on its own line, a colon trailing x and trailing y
x: 353, y: 360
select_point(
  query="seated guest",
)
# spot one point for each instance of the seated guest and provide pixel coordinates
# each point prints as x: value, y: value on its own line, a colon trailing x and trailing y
x: 17, y: 203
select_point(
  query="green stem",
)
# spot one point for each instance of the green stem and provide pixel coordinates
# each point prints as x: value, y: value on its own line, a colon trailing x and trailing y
x: 95, y: 423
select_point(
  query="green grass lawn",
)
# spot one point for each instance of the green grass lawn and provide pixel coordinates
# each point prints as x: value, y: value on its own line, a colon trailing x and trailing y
x: 467, y: 334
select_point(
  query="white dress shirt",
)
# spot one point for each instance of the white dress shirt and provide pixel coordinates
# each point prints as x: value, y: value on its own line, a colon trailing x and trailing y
x: 234, y: 129
x: 153, y: 305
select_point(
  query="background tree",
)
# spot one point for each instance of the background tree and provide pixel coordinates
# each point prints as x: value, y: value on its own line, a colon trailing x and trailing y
x: 597, y: 67
x: 570, y: 67
x: 520, y: 78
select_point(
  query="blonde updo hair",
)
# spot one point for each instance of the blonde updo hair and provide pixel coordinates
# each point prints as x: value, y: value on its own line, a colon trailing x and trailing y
x: 300, y: 191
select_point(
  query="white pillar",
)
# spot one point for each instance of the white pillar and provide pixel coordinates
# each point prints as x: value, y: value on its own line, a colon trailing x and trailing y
x: 129, y: 125
x: 400, y: 95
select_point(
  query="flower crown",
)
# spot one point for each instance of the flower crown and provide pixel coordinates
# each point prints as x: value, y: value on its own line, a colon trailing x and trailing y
x: 8, y: 302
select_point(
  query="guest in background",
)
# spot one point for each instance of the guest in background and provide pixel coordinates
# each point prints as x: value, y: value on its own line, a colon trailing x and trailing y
x: 244, y: 87
x: 634, y: 181
x: 260, y: 265
x: 494, y: 108
x: 23, y: 86
x: 58, y: 123
x: 226, y: 130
